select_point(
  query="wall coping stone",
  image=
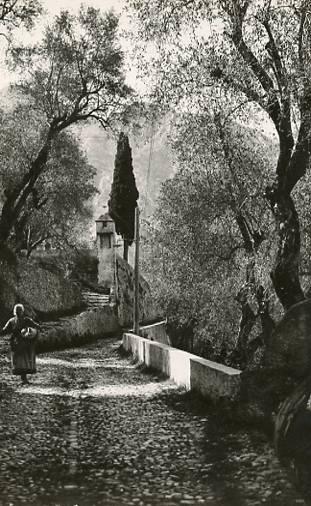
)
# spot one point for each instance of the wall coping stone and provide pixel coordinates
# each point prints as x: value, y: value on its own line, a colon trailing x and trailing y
x: 216, y: 365
x: 157, y: 324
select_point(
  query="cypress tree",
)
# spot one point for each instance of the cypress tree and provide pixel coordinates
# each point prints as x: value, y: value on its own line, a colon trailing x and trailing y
x: 124, y: 194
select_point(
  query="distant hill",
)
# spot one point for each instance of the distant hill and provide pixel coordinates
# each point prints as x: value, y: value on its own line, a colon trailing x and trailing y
x: 101, y: 151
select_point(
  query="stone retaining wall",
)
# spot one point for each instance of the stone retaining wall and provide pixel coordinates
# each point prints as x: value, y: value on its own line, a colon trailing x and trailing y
x: 148, y: 310
x: 78, y: 329
x: 41, y: 290
x: 211, y: 379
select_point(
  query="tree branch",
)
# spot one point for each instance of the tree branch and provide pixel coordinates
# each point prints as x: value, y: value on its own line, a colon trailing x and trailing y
x: 273, y: 51
x: 237, y: 15
x: 300, y: 39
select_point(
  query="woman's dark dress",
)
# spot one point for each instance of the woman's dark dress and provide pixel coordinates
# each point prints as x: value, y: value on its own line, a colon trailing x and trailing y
x: 23, y: 353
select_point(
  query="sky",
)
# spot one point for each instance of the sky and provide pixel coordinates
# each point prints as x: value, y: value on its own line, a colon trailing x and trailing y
x: 54, y: 6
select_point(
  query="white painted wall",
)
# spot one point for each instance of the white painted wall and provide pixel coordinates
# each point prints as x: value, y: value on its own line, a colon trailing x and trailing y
x: 211, y: 379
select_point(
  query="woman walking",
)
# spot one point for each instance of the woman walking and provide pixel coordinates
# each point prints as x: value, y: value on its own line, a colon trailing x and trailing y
x: 23, y: 332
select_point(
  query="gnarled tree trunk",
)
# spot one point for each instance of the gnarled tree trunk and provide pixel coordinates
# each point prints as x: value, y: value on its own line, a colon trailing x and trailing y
x: 285, y: 272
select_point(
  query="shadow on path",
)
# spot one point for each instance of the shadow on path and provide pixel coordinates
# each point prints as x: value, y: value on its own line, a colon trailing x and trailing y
x: 93, y: 429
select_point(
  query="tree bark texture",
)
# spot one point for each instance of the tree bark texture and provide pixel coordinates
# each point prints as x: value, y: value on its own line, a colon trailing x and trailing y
x: 285, y: 272
x: 246, y: 324
x: 267, y: 323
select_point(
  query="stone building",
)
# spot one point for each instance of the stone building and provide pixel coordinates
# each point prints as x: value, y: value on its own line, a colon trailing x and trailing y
x: 117, y: 276
x: 105, y: 245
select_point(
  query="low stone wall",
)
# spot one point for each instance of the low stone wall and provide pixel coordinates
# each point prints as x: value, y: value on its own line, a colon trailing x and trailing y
x: 211, y: 379
x: 78, y: 329
x: 46, y: 291
x: 156, y: 332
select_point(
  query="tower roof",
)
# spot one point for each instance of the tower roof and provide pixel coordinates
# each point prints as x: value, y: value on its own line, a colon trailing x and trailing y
x: 105, y: 217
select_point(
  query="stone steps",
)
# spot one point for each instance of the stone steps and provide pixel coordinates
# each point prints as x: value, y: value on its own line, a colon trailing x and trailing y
x: 76, y: 329
x: 91, y: 299
x: 94, y: 299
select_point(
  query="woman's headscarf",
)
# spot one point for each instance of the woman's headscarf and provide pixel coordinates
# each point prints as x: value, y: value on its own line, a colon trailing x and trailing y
x: 18, y: 306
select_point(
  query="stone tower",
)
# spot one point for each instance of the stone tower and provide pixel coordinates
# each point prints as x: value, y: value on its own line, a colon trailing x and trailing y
x: 105, y: 244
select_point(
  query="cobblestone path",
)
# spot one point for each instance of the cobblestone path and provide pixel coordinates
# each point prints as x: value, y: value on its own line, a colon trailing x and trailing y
x: 92, y: 429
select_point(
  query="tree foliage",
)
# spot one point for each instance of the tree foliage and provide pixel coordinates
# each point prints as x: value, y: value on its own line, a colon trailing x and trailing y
x: 124, y: 194
x: 249, y: 52
x: 60, y: 200
x: 74, y: 74
x: 211, y: 226
x: 14, y: 13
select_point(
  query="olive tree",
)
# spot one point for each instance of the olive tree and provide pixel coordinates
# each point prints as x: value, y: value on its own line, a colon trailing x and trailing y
x: 256, y: 52
x: 74, y: 74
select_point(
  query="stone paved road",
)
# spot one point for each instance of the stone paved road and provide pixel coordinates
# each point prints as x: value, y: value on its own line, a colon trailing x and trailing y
x: 94, y: 430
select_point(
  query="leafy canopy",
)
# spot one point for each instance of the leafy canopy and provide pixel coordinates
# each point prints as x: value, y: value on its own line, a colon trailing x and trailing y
x: 195, y: 254
x: 248, y: 57
x: 60, y: 200
x: 76, y: 71
x: 14, y: 13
